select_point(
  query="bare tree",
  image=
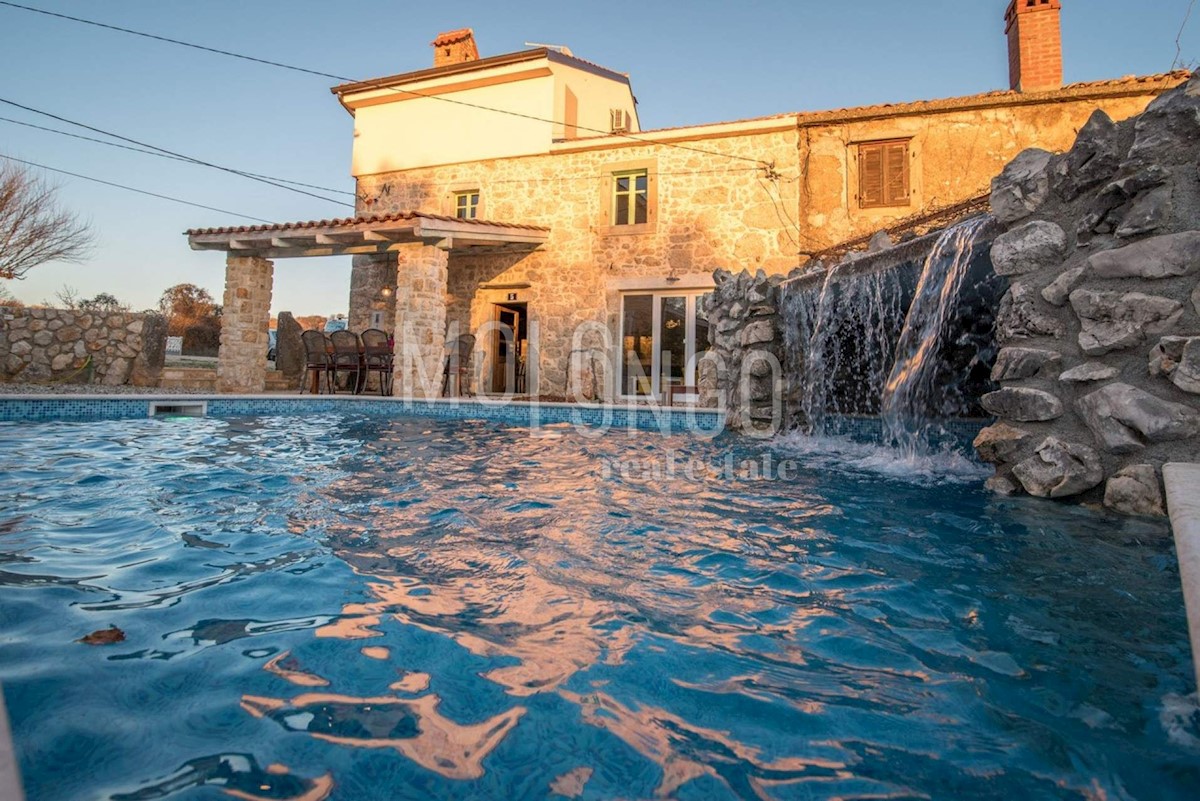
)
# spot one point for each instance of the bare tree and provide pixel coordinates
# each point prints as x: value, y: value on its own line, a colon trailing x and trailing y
x: 66, y: 298
x: 34, y: 230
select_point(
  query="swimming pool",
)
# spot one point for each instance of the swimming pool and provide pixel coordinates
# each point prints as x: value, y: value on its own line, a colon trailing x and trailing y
x: 347, y: 607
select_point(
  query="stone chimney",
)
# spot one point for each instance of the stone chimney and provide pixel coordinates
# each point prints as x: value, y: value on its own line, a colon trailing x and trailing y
x: 1034, y: 45
x: 454, y: 47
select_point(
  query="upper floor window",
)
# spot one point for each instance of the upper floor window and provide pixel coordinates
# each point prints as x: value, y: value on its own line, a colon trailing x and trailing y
x: 631, y: 197
x: 466, y: 204
x: 883, y: 174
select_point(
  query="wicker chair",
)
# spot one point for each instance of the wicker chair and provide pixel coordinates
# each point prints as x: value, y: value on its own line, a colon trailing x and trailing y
x: 378, y: 358
x: 347, y: 358
x: 316, y: 362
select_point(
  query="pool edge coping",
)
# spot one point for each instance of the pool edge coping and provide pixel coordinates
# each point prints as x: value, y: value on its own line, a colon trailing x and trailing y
x: 1182, y: 481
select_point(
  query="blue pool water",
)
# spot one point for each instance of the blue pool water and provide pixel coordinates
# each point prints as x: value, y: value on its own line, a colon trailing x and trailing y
x: 345, y: 607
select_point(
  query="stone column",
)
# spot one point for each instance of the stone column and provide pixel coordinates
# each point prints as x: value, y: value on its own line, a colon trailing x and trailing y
x: 372, y: 288
x: 242, y: 360
x: 420, y: 331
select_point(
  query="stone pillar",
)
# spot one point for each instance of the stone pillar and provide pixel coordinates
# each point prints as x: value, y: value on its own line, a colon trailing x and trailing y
x: 420, y: 321
x: 372, y: 288
x: 242, y: 360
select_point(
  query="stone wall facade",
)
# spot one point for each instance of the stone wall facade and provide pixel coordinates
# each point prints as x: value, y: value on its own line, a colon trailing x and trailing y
x: 717, y: 205
x: 242, y: 363
x: 420, y: 321
x: 111, y: 348
x: 372, y: 290
x: 1100, y: 329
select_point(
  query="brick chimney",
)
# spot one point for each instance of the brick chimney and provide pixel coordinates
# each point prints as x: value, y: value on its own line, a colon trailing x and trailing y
x: 454, y: 47
x: 1034, y: 45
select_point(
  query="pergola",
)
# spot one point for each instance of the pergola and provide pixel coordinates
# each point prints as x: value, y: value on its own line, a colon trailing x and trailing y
x: 414, y: 244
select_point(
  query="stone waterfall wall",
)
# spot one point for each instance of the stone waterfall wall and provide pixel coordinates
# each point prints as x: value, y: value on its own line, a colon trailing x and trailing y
x: 1100, y: 329
x: 112, y: 348
x: 746, y: 341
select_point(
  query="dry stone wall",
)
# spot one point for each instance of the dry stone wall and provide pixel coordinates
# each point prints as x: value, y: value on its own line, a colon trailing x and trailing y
x: 50, y: 345
x: 1100, y: 329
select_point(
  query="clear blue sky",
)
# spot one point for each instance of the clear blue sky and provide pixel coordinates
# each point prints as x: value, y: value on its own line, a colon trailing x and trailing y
x: 690, y: 62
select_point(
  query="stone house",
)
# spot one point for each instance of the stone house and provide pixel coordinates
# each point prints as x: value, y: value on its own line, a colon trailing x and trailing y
x: 516, y: 198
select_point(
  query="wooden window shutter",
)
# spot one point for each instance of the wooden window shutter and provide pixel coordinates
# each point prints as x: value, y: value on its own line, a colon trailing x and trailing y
x: 870, y: 176
x: 896, y: 171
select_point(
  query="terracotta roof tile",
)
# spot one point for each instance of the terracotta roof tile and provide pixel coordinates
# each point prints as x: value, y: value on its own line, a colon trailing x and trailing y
x: 354, y: 221
x: 450, y: 37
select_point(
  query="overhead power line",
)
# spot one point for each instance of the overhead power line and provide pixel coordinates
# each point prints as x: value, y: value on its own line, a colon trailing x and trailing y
x: 184, y: 157
x: 159, y: 155
x: 344, y: 79
x: 133, y: 189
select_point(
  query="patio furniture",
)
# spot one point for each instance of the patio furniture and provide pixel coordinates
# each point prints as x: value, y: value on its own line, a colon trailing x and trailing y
x: 316, y: 362
x: 378, y: 357
x: 347, y: 358
x: 458, y: 365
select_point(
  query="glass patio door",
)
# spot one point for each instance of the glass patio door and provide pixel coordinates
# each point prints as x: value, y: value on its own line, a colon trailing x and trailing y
x: 663, y: 335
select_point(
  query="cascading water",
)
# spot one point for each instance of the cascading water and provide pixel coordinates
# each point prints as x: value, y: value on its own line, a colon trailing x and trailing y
x: 906, y: 395
x: 910, y: 344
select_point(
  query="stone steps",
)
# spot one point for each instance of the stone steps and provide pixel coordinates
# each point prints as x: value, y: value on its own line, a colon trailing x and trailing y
x: 191, y: 378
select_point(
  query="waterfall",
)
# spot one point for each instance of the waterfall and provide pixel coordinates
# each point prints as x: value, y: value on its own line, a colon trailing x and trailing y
x: 909, y: 344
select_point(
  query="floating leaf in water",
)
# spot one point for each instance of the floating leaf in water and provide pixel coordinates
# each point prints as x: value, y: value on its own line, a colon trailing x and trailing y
x: 106, y: 636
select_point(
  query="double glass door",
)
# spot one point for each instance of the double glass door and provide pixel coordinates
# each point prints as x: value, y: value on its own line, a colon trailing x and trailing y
x: 663, y: 336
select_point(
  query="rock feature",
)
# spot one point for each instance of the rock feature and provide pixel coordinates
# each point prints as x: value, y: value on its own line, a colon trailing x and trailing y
x: 1022, y: 187
x: 1059, y: 469
x: 1168, y: 131
x: 1124, y: 418
x: 62, y: 345
x: 1022, y: 404
x: 1014, y: 364
x: 1150, y: 212
x: 1019, y: 317
x: 1059, y: 290
x: 1095, y: 156
x: 1114, y: 321
x: 1029, y: 247
x: 1177, y: 358
x: 1135, y: 490
x: 1164, y: 256
x: 999, y: 442
x: 743, y: 319
x: 1088, y: 371
x: 289, y: 347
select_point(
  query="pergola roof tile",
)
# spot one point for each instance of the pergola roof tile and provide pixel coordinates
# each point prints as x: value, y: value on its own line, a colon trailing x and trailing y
x: 349, y: 222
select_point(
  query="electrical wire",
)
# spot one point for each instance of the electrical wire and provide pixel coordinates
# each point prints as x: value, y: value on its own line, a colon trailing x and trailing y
x: 191, y: 159
x: 160, y: 155
x: 344, y: 79
x: 133, y: 189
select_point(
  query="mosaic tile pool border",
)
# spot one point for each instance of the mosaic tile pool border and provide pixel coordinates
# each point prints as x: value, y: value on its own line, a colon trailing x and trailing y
x: 35, y: 408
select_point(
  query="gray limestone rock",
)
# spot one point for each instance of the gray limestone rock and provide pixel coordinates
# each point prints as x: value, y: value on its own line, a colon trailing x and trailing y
x: 1166, y: 355
x: 1019, y: 317
x: 1124, y: 418
x: 1029, y: 247
x: 148, y: 364
x: 1014, y: 364
x: 289, y: 347
x: 1165, y: 256
x: 1187, y: 374
x: 1114, y: 321
x: 1150, y: 212
x: 1059, y: 469
x: 1088, y: 371
x: 999, y: 442
x: 758, y: 332
x: 1002, y: 485
x: 1135, y: 490
x: 1168, y: 131
x: 1022, y: 187
x: 1093, y: 158
x: 1059, y: 290
x: 1022, y: 404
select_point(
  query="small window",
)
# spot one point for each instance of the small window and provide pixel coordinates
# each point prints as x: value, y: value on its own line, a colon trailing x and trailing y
x: 631, y: 197
x: 883, y: 174
x: 466, y: 204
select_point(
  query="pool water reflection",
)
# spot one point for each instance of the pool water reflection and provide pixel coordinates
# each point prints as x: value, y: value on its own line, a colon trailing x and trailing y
x: 340, y: 607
